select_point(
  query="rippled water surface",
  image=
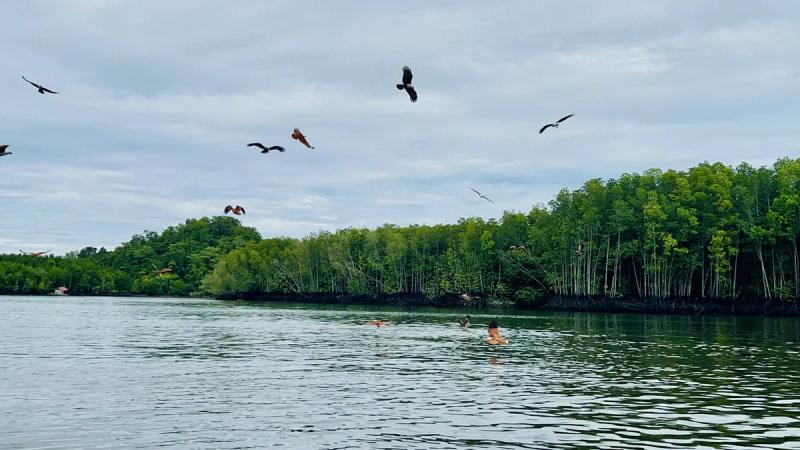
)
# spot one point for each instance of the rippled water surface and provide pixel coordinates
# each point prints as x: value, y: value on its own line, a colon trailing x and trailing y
x: 144, y: 373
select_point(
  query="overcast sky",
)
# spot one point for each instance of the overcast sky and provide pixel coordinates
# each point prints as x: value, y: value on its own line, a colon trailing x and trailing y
x: 159, y: 98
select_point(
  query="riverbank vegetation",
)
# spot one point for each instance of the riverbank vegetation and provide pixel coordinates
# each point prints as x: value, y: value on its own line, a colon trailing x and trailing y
x: 712, y: 231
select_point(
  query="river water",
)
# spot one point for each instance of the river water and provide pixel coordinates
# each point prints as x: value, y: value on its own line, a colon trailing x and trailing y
x: 145, y: 373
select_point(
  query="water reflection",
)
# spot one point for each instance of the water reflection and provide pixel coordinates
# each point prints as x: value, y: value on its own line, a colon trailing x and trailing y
x: 158, y: 372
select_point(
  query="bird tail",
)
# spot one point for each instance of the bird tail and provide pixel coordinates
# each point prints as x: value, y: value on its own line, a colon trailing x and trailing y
x: 400, y: 87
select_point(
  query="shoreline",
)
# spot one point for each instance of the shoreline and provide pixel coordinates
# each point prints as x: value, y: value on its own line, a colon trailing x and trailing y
x: 655, y: 306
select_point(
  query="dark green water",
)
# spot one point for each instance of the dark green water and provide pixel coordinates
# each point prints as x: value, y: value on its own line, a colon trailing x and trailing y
x: 146, y: 373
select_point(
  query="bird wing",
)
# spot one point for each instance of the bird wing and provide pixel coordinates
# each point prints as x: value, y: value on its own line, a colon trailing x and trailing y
x: 411, y: 93
x: 296, y: 134
x: 241, y: 209
x: 47, y: 90
x: 256, y: 144
x: 407, y: 75
x: 228, y: 209
x: 31, y: 82
x: 3, y: 147
x: 545, y: 127
x: 564, y: 118
x: 473, y: 190
x: 278, y: 148
x: 487, y: 198
x: 300, y: 137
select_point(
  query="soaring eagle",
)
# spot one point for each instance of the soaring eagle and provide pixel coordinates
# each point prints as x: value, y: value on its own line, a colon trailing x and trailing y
x: 555, y: 125
x: 298, y: 136
x: 238, y: 210
x: 407, y: 76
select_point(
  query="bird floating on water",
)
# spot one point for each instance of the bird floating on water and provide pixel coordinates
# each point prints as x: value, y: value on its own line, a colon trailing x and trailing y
x: 4, y: 150
x: 265, y: 149
x: 482, y: 196
x: 555, y: 125
x: 238, y: 210
x: 42, y: 90
x: 407, y: 76
x: 298, y: 136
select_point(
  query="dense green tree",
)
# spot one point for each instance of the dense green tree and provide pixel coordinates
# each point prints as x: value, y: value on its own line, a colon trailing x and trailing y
x: 709, y: 231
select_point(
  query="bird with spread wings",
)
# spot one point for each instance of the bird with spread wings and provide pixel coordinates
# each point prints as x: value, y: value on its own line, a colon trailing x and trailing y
x: 482, y: 196
x: 265, y: 149
x: 407, y: 77
x: 298, y: 136
x: 42, y: 90
x: 238, y: 210
x: 555, y: 124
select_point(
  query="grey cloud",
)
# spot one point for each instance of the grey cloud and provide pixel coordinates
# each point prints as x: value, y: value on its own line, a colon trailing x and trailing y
x: 157, y: 107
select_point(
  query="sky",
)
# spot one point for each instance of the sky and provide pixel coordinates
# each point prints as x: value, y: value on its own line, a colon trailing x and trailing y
x: 158, y: 100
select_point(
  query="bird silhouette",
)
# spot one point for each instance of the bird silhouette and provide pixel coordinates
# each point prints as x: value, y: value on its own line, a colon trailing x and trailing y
x: 238, y: 210
x: 298, y: 136
x: 482, y: 196
x: 407, y: 76
x: 555, y: 125
x: 35, y: 253
x: 39, y: 87
x: 265, y: 149
x: 4, y: 150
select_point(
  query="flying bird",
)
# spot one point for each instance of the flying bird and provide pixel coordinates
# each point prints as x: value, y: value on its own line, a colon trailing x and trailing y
x: 407, y: 76
x: 3, y: 150
x: 555, y: 125
x: 238, y: 210
x: 298, y: 136
x: 39, y: 87
x: 265, y: 149
x: 35, y: 253
x: 482, y: 196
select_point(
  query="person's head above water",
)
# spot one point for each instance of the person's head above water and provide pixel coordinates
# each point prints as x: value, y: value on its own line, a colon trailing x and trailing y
x: 493, y: 324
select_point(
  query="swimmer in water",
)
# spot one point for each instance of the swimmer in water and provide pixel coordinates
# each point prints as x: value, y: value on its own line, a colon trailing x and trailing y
x: 464, y: 321
x: 377, y: 323
x: 494, y: 335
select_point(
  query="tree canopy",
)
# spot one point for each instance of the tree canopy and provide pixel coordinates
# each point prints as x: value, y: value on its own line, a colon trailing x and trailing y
x: 709, y: 231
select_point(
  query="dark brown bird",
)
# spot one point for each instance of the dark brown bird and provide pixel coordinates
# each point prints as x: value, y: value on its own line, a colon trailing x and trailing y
x: 265, y: 149
x: 555, y: 125
x: 407, y: 77
x: 238, y: 210
x: 298, y: 136
x: 39, y: 87
x: 4, y: 150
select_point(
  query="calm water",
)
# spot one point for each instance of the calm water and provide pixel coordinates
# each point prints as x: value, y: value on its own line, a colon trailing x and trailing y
x: 142, y: 373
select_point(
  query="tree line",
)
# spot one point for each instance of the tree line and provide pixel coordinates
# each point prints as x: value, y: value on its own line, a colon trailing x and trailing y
x: 173, y: 262
x: 711, y: 231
